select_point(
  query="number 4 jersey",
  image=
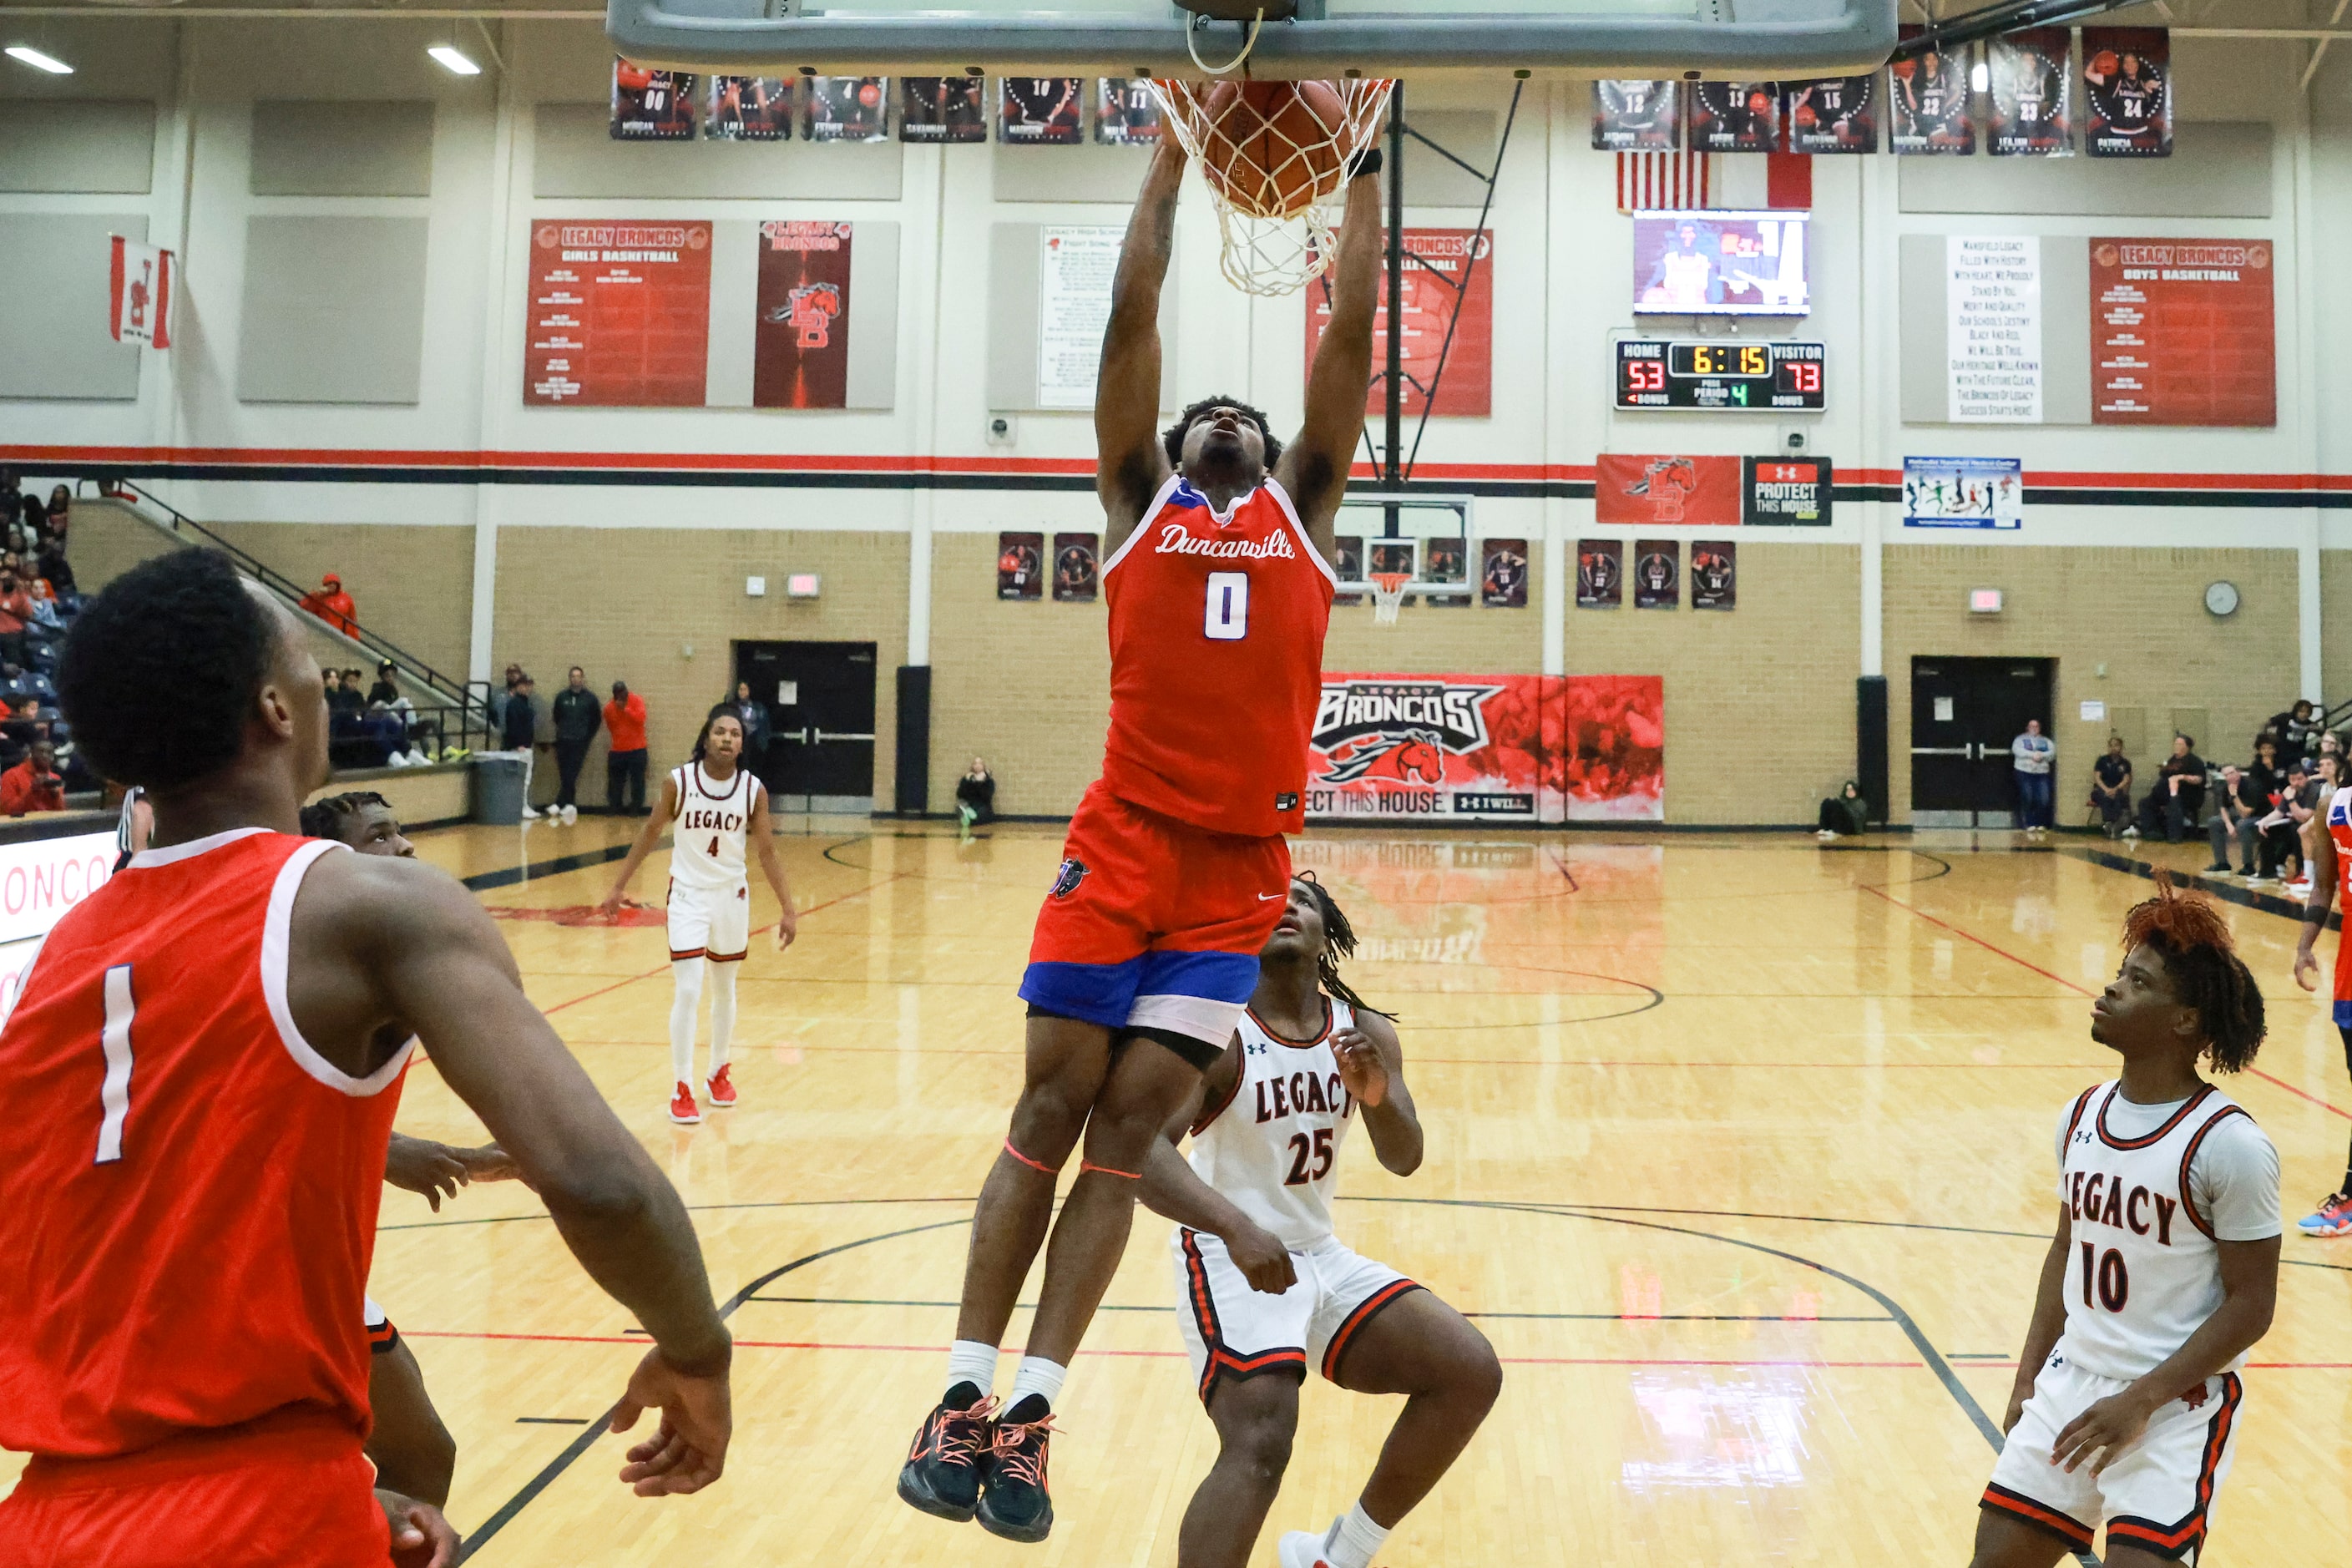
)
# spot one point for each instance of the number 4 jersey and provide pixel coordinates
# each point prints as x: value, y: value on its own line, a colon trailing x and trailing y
x: 1216, y: 661
x: 2149, y: 1190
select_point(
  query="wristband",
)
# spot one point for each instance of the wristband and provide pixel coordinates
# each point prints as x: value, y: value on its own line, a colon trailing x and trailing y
x: 1367, y: 162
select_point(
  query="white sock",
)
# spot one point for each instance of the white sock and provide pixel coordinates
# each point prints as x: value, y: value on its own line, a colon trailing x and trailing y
x: 685, y: 1002
x: 722, y: 1013
x: 1038, y: 1376
x: 971, y: 1362
x: 1353, y: 1539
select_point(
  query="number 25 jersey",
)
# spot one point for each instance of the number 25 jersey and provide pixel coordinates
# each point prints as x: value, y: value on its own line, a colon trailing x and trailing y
x: 1216, y: 661
x: 1272, y: 1148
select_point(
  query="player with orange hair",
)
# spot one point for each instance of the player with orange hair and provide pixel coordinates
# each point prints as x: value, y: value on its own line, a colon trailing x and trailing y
x: 2162, y: 1275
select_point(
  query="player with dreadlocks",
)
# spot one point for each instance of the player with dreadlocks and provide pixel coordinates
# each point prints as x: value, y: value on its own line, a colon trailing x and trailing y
x: 2163, y: 1273
x: 1267, y: 1288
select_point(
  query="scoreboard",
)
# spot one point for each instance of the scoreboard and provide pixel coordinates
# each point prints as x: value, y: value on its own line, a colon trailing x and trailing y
x: 1772, y: 376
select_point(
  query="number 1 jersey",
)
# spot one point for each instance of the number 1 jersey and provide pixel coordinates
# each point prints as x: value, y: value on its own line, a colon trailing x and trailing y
x: 1216, y: 661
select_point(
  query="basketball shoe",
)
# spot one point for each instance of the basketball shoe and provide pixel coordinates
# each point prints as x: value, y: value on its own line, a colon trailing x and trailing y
x: 941, y: 1475
x: 682, y: 1109
x: 1302, y: 1549
x: 1013, y: 1499
x: 2334, y: 1217
x: 721, y: 1089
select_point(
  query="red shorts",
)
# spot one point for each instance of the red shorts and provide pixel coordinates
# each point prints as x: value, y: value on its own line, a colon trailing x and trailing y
x: 288, y: 1494
x: 1153, y: 924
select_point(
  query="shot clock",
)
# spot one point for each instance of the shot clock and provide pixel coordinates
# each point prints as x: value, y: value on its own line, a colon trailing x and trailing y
x: 1770, y: 377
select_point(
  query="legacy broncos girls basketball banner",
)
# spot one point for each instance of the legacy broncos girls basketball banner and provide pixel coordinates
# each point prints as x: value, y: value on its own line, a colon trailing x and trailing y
x: 1487, y: 748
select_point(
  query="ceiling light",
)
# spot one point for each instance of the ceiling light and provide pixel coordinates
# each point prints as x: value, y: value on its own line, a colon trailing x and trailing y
x: 1979, y: 77
x: 452, y: 60
x: 39, y: 61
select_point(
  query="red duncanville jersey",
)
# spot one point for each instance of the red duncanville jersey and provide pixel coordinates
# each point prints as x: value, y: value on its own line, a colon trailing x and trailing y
x: 1216, y: 661
x: 188, y: 1190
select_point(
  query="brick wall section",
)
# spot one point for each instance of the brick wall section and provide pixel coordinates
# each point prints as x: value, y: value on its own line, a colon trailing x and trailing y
x: 2335, y: 624
x: 1760, y: 699
x: 2140, y: 612
x: 624, y: 602
x: 414, y: 584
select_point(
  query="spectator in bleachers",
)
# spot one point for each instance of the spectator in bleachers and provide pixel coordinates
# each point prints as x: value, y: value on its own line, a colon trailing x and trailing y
x: 15, y: 610
x: 2111, y: 779
x: 624, y: 763
x: 2246, y: 798
x: 2177, y: 800
x: 33, y: 784
x: 12, y: 499
x: 577, y: 716
x: 2297, y: 732
x: 2030, y: 759
x: 331, y: 605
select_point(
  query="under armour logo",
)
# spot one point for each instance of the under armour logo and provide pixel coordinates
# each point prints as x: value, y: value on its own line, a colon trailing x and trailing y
x: 1257, y: 1047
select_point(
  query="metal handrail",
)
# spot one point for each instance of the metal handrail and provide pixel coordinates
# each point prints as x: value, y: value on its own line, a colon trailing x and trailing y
x: 468, y: 699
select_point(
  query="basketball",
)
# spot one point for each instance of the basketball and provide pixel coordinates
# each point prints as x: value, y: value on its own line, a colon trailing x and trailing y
x: 1271, y: 147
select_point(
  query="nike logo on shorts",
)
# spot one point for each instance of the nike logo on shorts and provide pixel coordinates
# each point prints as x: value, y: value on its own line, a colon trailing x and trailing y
x: 1264, y: 898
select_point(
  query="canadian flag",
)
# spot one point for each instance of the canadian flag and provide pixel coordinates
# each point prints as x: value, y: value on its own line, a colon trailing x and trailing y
x: 140, y: 293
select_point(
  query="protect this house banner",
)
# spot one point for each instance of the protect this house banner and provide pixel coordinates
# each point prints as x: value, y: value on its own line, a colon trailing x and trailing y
x: 800, y: 355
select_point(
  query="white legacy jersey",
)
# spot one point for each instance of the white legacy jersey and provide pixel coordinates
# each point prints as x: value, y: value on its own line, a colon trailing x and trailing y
x: 1272, y: 1146
x: 713, y: 819
x: 2144, y: 1271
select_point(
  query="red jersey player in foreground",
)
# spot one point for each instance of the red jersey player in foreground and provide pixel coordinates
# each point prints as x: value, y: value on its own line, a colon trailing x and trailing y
x: 2163, y: 1273
x: 1218, y: 580
x: 197, y: 1080
x: 2330, y: 854
x: 1268, y: 1289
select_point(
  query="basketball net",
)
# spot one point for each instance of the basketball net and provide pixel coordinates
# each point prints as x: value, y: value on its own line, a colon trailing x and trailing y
x: 1388, y: 595
x: 1271, y: 252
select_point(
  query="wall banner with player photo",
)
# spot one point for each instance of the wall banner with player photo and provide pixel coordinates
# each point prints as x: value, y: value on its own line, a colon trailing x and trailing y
x: 1715, y: 575
x: 1446, y: 558
x: 1964, y: 492
x: 1927, y: 103
x: 1657, y: 573
x: 1127, y: 112
x: 1734, y: 116
x: 651, y: 105
x: 1021, y: 565
x: 847, y: 109
x: 618, y: 314
x: 1349, y: 567
x: 938, y: 108
x: 1503, y: 573
x: 1499, y: 748
x: 2183, y: 332
x: 1599, y: 573
x: 1078, y: 572
x: 2128, y: 91
x: 800, y: 349
x: 749, y: 108
x: 1835, y: 114
x: 1439, y: 263
x: 1630, y: 489
x: 1785, y: 491
x: 2033, y: 93
x: 1637, y: 117
x: 1041, y: 110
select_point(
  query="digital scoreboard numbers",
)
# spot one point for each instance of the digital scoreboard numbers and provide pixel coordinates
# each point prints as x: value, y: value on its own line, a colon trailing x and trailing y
x: 1774, y: 377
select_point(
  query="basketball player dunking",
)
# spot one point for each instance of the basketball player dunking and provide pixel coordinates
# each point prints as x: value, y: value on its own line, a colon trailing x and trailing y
x: 2163, y: 1273
x: 1267, y: 1290
x: 718, y: 809
x: 180, y: 1341
x: 1218, y: 577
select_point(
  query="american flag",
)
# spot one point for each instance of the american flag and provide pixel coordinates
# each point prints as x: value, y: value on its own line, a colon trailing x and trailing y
x: 1673, y: 181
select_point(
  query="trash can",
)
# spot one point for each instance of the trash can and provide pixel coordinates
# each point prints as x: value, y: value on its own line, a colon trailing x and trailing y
x: 497, y: 784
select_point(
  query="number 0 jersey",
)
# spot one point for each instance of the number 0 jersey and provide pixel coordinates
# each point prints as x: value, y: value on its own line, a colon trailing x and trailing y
x: 1216, y: 661
x: 188, y: 1190
x: 713, y: 817
x: 1272, y: 1146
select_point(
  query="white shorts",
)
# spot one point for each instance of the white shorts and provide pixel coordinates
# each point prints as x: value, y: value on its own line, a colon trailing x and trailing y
x: 2157, y: 1495
x: 1233, y: 1332
x: 709, y: 922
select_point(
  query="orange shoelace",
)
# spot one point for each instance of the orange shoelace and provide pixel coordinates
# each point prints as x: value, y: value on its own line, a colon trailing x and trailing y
x: 957, y: 1436
x: 1007, y: 1450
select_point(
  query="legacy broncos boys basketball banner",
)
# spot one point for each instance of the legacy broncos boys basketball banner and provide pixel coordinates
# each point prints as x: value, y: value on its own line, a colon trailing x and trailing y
x: 1487, y: 748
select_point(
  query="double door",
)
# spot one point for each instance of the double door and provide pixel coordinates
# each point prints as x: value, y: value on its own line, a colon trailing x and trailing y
x: 1964, y: 714
x: 820, y: 698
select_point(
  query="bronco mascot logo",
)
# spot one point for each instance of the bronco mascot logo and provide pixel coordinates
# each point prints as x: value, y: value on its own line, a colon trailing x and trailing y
x: 1411, y: 724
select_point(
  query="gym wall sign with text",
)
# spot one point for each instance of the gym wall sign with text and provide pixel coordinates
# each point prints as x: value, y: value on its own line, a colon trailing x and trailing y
x: 1441, y: 263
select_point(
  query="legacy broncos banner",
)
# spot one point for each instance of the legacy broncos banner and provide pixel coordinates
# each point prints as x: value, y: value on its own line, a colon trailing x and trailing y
x: 1492, y: 747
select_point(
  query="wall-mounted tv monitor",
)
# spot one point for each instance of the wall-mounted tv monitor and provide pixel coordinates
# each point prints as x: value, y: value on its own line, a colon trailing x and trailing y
x: 1708, y: 263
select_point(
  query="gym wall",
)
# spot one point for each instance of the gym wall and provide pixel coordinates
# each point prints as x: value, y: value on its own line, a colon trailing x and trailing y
x: 353, y: 419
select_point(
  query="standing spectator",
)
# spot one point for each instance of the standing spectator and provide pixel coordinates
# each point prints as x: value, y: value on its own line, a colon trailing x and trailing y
x: 15, y: 610
x: 2111, y: 780
x: 29, y: 518
x: 577, y: 718
x: 2029, y: 758
x: 758, y: 730
x: 12, y: 499
x: 624, y: 763
x: 520, y: 729
x: 497, y: 702
x: 2178, y: 796
x: 331, y: 605
x: 2297, y: 732
x: 976, y: 796
x: 33, y: 784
